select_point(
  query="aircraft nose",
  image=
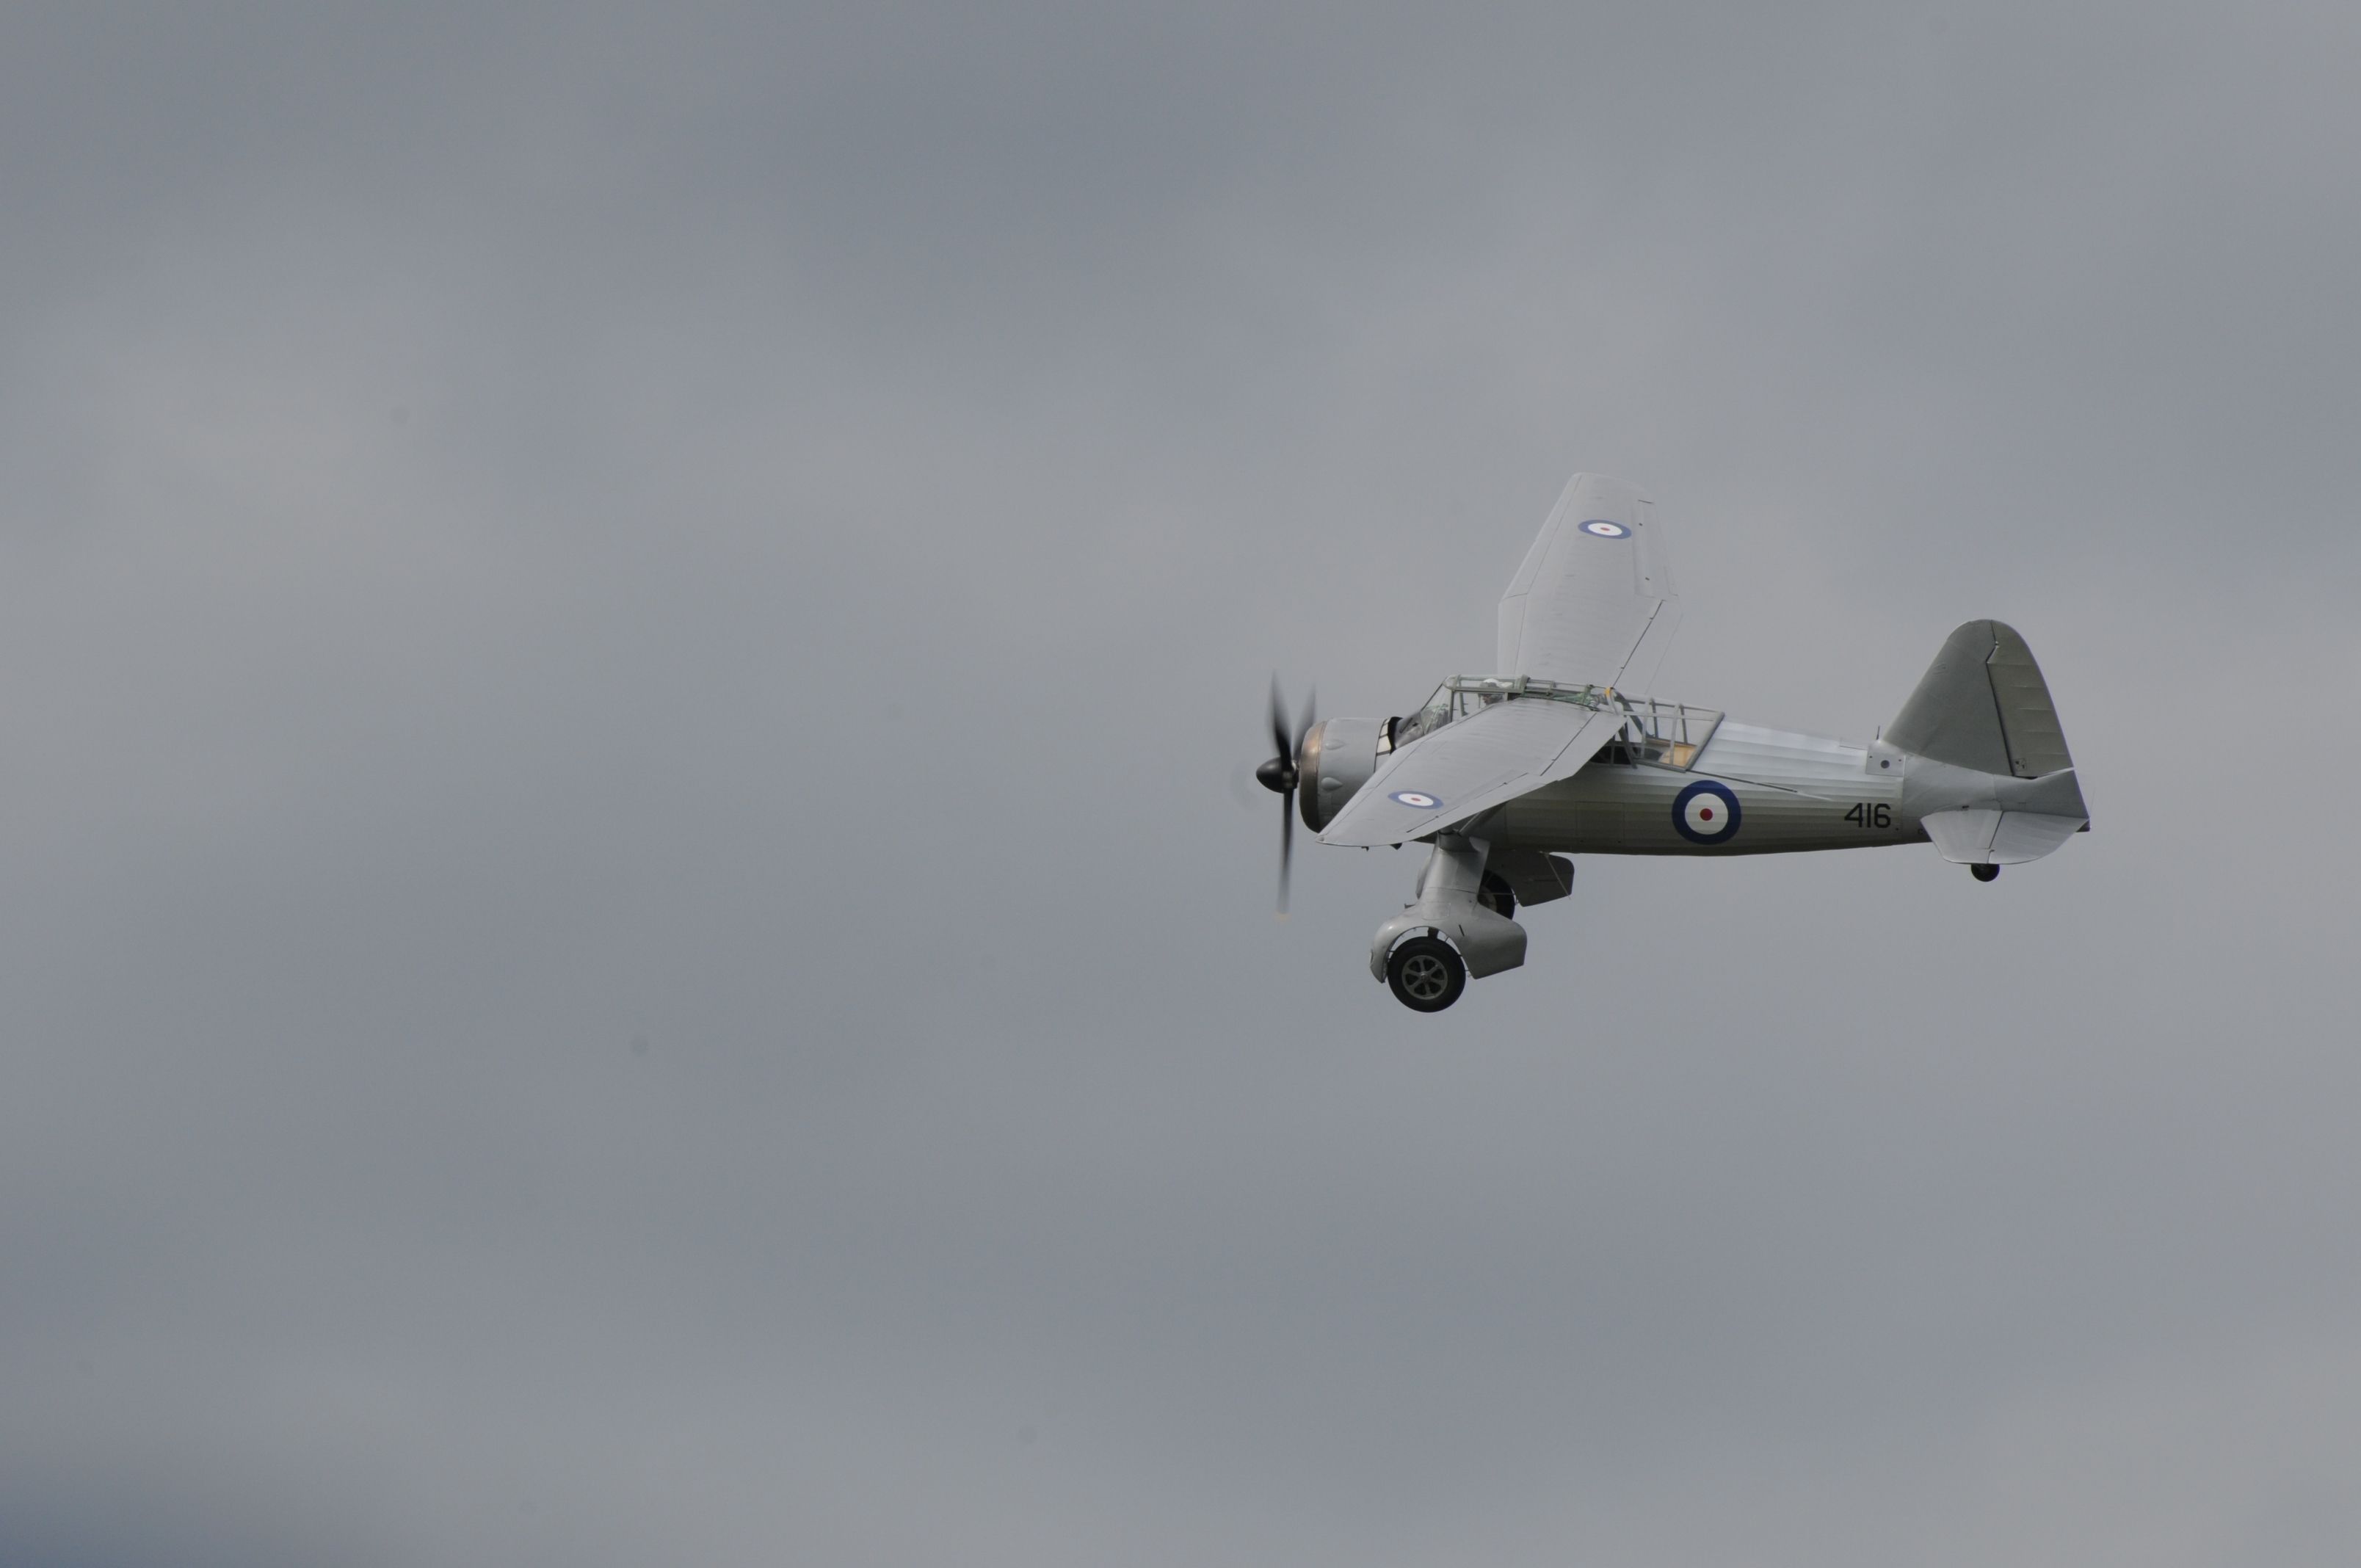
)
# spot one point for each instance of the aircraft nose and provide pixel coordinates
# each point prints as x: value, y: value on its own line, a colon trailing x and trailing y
x: 1309, y: 805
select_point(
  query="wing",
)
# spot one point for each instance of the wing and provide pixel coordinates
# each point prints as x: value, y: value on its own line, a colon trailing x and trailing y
x: 1593, y: 603
x: 1493, y: 756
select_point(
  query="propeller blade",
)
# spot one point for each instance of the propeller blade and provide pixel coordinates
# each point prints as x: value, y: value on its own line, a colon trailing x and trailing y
x: 1279, y: 742
x: 1286, y: 844
x: 1279, y: 774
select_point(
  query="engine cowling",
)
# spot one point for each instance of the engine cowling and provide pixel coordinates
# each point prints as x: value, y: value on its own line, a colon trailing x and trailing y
x: 1337, y: 757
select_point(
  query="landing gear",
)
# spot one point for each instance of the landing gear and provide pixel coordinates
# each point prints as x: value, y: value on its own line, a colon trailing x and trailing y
x: 1455, y: 932
x: 1984, y: 873
x: 1426, y: 974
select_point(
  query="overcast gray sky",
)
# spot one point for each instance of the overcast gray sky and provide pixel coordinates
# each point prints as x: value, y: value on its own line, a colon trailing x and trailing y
x: 626, y: 635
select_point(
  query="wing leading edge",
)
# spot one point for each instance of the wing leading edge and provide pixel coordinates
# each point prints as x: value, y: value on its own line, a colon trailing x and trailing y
x: 1492, y: 756
x: 1593, y: 602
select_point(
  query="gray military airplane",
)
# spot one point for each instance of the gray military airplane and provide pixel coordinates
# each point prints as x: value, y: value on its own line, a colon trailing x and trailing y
x: 1505, y: 775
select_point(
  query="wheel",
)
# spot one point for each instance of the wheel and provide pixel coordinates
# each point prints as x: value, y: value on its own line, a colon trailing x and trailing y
x: 1426, y: 974
x: 1984, y: 873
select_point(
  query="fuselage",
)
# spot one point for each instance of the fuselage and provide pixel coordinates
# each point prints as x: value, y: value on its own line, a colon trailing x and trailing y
x: 1750, y: 790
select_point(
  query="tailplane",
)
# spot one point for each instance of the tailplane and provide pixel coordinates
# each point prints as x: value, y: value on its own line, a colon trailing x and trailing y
x: 1983, y: 706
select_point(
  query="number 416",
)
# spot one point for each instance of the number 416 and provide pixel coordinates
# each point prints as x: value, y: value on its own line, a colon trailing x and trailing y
x: 1867, y: 815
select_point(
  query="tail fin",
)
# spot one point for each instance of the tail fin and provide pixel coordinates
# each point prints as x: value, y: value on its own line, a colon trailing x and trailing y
x: 1983, y: 705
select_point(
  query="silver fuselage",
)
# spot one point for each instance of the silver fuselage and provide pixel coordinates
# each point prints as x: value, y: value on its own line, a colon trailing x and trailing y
x: 1794, y: 791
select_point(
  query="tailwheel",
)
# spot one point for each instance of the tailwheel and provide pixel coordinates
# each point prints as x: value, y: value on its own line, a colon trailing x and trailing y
x: 1984, y: 873
x: 1426, y: 974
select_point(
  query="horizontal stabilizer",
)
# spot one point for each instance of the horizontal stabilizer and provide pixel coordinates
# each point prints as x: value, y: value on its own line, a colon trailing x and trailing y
x: 2052, y: 795
x: 1981, y: 837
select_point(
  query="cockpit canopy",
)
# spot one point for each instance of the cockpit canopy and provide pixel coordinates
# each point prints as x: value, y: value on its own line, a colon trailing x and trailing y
x: 1663, y: 734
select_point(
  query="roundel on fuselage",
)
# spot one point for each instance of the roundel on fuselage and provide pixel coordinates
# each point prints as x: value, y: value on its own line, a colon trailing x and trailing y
x: 1707, y: 813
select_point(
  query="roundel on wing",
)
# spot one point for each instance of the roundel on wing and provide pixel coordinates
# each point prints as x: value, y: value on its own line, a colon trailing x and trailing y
x: 1707, y: 813
x: 1599, y: 528
x: 1412, y: 797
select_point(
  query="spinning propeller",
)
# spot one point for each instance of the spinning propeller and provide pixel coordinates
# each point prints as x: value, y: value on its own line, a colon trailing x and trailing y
x: 1278, y: 775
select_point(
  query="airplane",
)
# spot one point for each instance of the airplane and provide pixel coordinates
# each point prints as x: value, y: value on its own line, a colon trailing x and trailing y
x: 1505, y: 775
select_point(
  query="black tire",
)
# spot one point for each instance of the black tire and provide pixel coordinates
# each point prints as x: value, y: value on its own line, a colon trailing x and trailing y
x: 1426, y: 974
x: 1984, y: 873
